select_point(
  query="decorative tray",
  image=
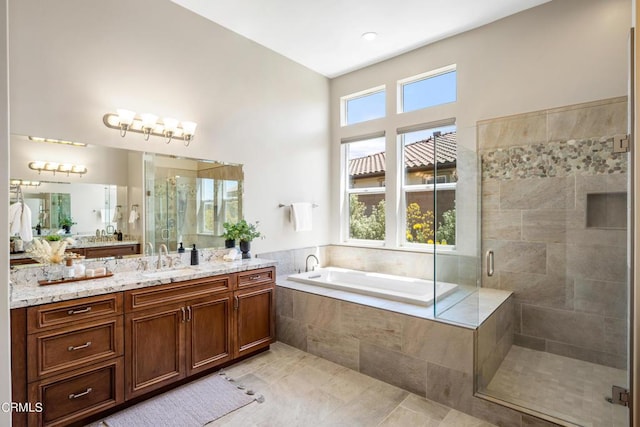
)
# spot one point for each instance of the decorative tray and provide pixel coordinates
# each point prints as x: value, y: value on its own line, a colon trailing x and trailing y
x: 71, y: 279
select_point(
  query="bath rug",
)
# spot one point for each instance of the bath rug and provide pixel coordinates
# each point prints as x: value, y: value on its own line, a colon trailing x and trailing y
x: 194, y: 404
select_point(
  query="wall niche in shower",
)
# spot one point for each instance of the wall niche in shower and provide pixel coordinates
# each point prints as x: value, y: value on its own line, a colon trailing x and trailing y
x: 607, y: 210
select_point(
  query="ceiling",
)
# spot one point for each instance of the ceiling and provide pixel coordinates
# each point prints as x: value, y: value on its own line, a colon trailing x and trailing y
x: 325, y: 35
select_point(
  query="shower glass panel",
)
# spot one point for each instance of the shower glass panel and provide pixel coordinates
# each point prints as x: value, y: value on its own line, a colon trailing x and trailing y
x: 439, y: 199
x: 555, y: 216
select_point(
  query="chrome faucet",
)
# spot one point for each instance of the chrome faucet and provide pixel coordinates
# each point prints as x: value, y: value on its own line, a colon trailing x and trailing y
x: 306, y: 263
x: 166, y: 251
x: 150, y: 245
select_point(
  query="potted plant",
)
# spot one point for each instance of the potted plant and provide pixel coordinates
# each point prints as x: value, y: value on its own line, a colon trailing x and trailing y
x: 66, y: 222
x: 246, y: 233
x: 230, y: 234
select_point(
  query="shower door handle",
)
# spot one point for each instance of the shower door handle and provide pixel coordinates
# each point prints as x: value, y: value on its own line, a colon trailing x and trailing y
x: 489, y: 260
x: 164, y: 234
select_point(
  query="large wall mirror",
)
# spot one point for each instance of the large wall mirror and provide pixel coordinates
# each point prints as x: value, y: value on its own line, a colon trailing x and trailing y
x: 188, y: 200
x: 152, y: 198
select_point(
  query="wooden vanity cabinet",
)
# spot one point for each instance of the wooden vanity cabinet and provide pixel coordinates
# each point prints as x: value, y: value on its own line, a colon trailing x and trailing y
x: 176, y: 330
x: 81, y: 357
x: 254, y: 311
x: 107, y: 251
x: 74, y: 358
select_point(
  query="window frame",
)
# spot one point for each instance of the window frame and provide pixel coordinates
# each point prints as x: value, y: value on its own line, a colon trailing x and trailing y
x: 347, y: 192
x: 367, y: 92
x: 419, y: 77
x: 405, y: 188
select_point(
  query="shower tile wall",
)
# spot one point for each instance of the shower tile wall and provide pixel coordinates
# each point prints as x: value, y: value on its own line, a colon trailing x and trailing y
x: 568, y: 277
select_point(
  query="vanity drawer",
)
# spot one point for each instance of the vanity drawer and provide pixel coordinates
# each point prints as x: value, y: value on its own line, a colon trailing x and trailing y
x: 73, y: 347
x: 64, y: 313
x: 78, y: 394
x: 138, y: 299
x: 256, y: 277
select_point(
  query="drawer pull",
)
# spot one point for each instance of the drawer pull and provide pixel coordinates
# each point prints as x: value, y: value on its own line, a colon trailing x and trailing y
x: 189, y: 313
x: 83, y: 310
x: 84, y: 393
x: 79, y: 347
x: 256, y: 277
x: 184, y: 319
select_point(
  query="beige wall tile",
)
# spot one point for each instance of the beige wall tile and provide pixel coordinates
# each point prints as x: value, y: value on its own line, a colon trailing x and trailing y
x: 596, y: 262
x: 450, y: 387
x: 578, y: 329
x: 538, y: 193
x: 316, y: 310
x: 588, y: 121
x: 372, y: 325
x: 538, y: 289
x: 599, y: 297
x: 501, y: 224
x: 445, y: 345
x: 545, y: 225
x: 518, y: 257
x: 512, y: 131
x: 394, y: 367
x: 337, y: 348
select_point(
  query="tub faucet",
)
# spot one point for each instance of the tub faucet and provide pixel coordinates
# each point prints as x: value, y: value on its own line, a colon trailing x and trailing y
x: 306, y: 263
x: 166, y: 251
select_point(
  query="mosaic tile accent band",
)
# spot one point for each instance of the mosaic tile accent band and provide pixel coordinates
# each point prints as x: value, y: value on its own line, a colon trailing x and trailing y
x: 554, y: 159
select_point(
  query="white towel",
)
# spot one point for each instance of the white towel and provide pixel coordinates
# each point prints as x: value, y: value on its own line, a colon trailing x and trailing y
x: 20, y: 221
x: 133, y: 217
x: 301, y: 216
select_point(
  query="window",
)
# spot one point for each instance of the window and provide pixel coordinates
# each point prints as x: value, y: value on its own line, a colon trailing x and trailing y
x: 365, y: 190
x: 427, y: 90
x: 429, y: 176
x: 363, y: 106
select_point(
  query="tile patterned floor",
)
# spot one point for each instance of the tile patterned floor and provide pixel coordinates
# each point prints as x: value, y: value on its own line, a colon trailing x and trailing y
x: 566, y: 388
x: 304, y: 390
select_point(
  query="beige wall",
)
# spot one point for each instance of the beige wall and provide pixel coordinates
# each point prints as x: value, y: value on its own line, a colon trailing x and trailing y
x: 560, y: 53
x: 74, y: 61
x: 5, y: 355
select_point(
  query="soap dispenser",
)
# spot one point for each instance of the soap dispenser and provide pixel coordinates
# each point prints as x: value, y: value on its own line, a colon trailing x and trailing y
x: 194, y: 255
x: 181, y: 249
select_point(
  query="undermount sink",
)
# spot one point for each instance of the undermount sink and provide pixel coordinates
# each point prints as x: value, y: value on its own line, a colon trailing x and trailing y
x: 163, y: 274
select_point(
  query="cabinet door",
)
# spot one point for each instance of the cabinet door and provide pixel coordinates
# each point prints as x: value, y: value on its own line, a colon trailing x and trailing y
x: 154, y: 342
x: 254, y: 319
x: 208, y: 332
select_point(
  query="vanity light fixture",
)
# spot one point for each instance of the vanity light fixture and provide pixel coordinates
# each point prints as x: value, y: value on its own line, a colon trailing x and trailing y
x: 57, y: 141
x: 54, y: 167
x: 148, y: 124
x: 24, y: 183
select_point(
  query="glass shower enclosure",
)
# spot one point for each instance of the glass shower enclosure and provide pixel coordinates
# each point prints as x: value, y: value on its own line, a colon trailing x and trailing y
x: 555, y: 203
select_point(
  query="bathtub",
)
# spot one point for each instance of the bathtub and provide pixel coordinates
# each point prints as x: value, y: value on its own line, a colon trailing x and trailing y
x: 396, y: 288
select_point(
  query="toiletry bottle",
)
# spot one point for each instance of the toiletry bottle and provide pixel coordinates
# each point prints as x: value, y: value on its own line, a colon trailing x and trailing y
x: 181, y: 249
x: 69, y: 272
x: 120, y: 236
x: 194, y: 255
x: 79, y: 267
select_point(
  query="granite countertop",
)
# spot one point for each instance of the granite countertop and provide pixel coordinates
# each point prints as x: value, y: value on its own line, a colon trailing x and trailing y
x: 25, y: 290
